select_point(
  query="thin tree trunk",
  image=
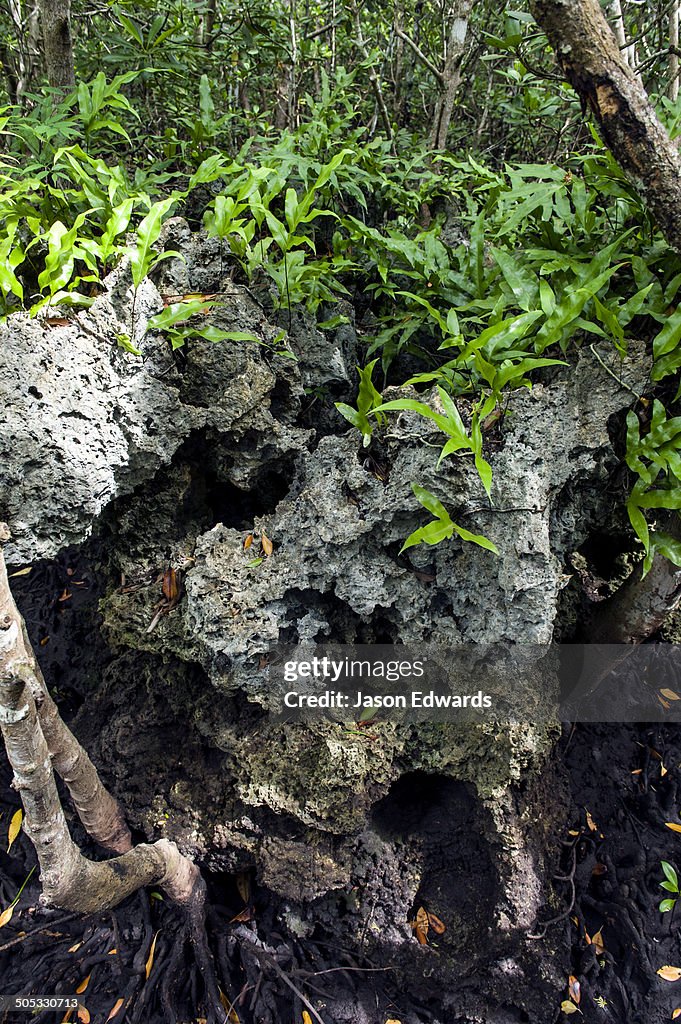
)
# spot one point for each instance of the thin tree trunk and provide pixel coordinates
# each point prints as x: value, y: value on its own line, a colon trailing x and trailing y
x: 455, y: 45
x: 55, y: 17
x: 19, y: 59
x: 100, y: 813
x: 36, y: 740
x: 627, y: 49
x: 373, y: 77
x: 674, y: 47
x: 292, y: 113
x: 69, y: 880
x: 591, y: 61
x: 207, y: 24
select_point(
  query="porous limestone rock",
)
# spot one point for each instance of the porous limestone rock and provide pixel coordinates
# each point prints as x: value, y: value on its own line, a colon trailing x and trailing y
x: 83, y: 422
x: 183, y: 460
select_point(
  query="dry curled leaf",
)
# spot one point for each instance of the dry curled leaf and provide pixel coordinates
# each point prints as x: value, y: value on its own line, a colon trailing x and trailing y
x: 436, y: 924
x: 83, y: 1014
x: 567, y: 1006
x: 65, y: 596
x: 245, y: 915
x: 72, y: 949
x: 676, y: 1013
x: 420, y: 926
x: 150, y: 959
x: 266, y: 544
x: 21, y: 572
x: 232, y: 1015
x: 393, y: 1020
x: 670, y: 695
x: 574, y: 989
x: 597, y: 942
x: 83, y: 985
x: 6, y: 915
x: 171, y: 585
x: 673, y: 826
x: 248, y: 541
x: 243, y: 884
x: 307, y: 1019
x: 14, y: 828
x: 115, y: 1008
x: 670, y: 973
x: 593, y: 827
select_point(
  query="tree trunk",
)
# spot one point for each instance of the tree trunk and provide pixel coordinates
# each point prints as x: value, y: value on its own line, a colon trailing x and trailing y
x: 674, y: 47
x: 55, y: 17
x: 451, y: 74
x: 627, y: 49
x: 37, y: 741
x: 591, y: 61
x: 20, y: 57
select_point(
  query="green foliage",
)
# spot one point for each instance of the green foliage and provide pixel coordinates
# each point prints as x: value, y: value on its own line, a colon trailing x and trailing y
x: 475, y: 277
x: 441, y: 528
x: 173, y: 322
x: 671, y: 884
x: 368, y: 401
x: 655, y: 458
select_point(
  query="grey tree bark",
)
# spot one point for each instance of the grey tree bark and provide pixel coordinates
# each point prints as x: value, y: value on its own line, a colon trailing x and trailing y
x: 20, y: 56
x: 448, y: 77
x: 37, y: 742
x: 674, y: 47
x: 55, y: 18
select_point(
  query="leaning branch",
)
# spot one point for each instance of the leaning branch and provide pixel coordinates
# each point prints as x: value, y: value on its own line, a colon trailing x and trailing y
x: 69, y: 879
x: 591, y: 61
x: 421, y: 55
x: 100, y: 813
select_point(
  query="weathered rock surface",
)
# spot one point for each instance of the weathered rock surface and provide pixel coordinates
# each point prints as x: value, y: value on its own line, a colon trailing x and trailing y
x: 180, y: 461
x: 83, y: 422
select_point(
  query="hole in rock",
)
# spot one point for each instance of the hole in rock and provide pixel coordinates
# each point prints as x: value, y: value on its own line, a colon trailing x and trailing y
x: 238, y: 508
x: 602, y: 550
x: 435, y: 825
x: 337, y: 621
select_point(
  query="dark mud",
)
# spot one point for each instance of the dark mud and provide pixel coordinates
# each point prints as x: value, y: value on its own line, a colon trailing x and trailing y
x: 614, y: 787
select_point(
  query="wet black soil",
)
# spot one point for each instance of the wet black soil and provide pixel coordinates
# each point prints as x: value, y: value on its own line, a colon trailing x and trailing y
x: 622, y: 783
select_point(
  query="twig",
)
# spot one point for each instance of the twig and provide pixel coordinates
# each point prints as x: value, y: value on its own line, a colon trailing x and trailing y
x: 262, y: 955
x: 43, y: 928
x: 614, y: 375
x: 421, y: 55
